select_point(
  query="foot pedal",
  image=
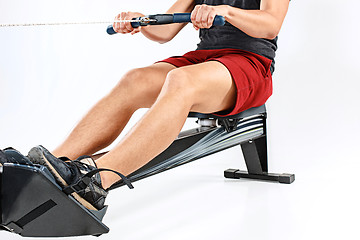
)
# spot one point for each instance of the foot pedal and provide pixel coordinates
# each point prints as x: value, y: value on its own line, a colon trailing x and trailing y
x: 33, y: 205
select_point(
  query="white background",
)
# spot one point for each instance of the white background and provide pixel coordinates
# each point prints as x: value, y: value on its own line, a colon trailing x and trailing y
x: 50, y: 77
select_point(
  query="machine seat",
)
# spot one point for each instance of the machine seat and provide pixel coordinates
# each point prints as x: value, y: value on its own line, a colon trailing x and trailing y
x: 261, y: 110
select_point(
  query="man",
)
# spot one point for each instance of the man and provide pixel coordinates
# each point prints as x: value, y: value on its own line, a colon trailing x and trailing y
x: 228, y: 73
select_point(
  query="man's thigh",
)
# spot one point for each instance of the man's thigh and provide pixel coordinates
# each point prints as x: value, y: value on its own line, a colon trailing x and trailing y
x: 215, y: 89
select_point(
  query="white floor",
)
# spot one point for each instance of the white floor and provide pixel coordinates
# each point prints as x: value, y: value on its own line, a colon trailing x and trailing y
x: 50, y: 76
x: 195, y: 202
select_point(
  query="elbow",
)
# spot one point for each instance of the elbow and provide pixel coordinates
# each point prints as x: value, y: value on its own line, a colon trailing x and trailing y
x: 271, y: 34
x: 164, y: 39
x: 157, y: 38
x: 273, y: 26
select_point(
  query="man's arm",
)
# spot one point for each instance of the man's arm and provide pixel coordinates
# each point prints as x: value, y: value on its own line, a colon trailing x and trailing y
x: 263, y: 23
x: 158, y: 33
x: 164, y: 33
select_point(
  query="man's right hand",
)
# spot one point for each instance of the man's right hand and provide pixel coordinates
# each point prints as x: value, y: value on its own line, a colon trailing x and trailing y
x: 126, y: 27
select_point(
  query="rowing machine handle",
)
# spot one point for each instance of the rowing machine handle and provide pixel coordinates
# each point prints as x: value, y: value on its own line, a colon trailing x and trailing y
x: 186, y: 17
x: 167, y: 19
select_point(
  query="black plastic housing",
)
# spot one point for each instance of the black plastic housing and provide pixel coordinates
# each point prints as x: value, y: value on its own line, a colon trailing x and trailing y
x: 33, y: 205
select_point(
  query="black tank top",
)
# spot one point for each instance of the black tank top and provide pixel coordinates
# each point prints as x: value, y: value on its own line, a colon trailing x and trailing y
x: 228, y: 36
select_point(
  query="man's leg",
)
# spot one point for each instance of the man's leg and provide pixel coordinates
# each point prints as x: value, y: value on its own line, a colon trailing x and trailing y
x: 139, y: 88
x: 206, y: 87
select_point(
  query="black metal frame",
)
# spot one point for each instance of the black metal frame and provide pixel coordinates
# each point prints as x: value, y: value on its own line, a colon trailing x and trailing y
x: 254, y: 149
x: 256, y: 160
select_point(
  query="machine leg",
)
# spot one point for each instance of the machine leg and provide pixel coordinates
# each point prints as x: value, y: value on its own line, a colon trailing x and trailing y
x: 255, y: 155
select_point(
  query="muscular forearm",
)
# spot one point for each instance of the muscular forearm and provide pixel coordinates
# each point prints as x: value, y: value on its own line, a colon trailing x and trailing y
x: 256, y: 23
x: 158, y: 33
x: 164, y: 33
x: 161, y: 33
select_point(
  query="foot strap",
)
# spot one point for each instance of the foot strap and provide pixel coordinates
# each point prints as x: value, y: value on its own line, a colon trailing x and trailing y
x: 86, y: 179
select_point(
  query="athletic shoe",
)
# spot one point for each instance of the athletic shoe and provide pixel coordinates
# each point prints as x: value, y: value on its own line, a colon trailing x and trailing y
x: 3, y: 158
x: 11, y: 155
x: 79, y: 178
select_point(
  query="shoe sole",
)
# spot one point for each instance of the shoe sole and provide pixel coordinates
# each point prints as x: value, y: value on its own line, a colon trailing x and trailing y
x: 39, y: 158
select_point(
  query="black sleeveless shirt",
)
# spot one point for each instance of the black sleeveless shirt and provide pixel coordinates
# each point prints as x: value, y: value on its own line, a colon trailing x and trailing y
x: 228, y: 36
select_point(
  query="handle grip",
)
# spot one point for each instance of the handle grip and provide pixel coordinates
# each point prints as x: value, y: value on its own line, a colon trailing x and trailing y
x: 186, y: 17
x: 110, y: 30
x: 167, y: 19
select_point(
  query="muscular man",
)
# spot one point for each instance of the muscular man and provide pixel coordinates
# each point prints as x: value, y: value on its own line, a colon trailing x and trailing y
x: 229, y: 72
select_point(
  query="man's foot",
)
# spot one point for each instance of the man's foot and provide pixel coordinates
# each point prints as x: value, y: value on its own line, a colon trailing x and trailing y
x: 11, y: 155
x: 70, y: 176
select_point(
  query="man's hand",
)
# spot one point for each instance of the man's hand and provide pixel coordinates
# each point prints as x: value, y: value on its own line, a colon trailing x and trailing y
x: 203, y: 15
x: 126, y: 27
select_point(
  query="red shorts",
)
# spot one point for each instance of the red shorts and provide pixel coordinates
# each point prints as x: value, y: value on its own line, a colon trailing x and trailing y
x: 250, y: 73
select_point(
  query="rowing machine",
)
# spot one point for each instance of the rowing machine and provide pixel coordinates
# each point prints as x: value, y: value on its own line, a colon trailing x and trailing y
x: 33, y: 205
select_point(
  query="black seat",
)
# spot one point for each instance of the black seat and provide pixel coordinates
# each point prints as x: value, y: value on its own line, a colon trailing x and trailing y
x: 247, y: 113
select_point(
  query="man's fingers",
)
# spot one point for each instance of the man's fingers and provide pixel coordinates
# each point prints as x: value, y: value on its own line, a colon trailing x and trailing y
x: 122, y: 25
x: 210, y: 20
x: 136, y: 30
x: 203, y: 16
x: 125, y: 26
x: 116, y: 26
x: 193, y: 15
x: 128, y: 26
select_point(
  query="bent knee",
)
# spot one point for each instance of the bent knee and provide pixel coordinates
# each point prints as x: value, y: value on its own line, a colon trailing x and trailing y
x: 135, y: 78
x: 140, y: 86
x: 180, y: 82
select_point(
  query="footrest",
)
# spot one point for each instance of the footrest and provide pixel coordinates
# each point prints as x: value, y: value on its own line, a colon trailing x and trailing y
x: 281, y: 178
x: 33, y: 205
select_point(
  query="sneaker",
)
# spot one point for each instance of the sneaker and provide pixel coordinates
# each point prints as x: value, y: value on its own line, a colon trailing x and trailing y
x: 3, y: 158
x: 11, y: 155
x: 79, y: 178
